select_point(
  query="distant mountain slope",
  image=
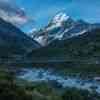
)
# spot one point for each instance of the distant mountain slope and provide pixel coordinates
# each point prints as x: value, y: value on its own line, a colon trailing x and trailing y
x: 86, y: 46
x: 13, y: 41
x: 62, y: 27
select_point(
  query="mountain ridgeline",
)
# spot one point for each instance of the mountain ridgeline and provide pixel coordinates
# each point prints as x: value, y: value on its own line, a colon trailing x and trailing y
x: 13, y: 41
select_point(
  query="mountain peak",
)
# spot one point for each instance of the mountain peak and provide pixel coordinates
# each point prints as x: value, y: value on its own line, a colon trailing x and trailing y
x: 60, y: 17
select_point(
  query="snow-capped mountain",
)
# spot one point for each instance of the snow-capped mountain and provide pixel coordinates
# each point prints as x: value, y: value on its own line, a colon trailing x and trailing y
x: 62, y: 27
x: 59, y: 18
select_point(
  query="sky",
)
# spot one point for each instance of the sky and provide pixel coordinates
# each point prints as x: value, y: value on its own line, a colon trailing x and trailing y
x: 28, y: 14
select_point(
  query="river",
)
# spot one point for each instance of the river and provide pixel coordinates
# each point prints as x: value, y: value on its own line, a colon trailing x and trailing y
x: 47, y: 75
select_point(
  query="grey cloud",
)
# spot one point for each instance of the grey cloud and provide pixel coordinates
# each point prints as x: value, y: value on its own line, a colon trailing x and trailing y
x: 10, y: 12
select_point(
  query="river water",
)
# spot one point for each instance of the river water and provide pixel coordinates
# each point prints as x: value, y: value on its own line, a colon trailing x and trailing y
x: 46, y: 75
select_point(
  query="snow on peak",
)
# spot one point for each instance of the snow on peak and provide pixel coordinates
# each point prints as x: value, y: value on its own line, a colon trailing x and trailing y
x: 58, y: 20
x: 60, y: 17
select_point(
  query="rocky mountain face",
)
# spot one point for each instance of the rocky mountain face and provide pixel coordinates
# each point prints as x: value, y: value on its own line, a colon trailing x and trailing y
x: 13, y: 41
x: 62, y: 27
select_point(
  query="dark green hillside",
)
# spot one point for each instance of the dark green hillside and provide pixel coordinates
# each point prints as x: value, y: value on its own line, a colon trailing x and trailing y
x: 13, y: 41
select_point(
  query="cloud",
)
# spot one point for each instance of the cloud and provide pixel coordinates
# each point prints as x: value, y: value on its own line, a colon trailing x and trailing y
x: 10, y: 12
